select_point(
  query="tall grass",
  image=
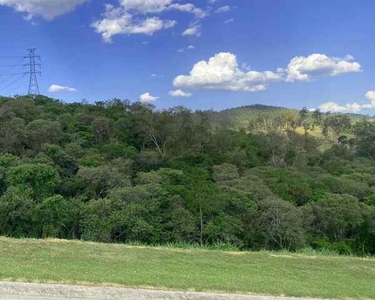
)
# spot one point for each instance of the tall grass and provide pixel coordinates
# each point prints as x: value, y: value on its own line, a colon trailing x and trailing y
x: 230, y: 247
x: 196, y: 246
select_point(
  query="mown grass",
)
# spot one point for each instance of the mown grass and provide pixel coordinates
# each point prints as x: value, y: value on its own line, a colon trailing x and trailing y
x: 187, y: 269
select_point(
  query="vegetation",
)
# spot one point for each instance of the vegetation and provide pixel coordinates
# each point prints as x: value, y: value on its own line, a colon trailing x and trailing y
x: 268, y: 273
x: 121, y: 172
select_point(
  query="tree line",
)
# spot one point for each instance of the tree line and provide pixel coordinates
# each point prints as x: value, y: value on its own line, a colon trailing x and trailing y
x: 121, y: 172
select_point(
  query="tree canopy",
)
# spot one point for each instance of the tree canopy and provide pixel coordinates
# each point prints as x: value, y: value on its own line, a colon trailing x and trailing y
x: 117, y: 171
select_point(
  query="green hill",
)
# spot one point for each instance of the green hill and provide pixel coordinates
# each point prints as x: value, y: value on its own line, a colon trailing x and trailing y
x: 240, y: 117
x: 121, y: 172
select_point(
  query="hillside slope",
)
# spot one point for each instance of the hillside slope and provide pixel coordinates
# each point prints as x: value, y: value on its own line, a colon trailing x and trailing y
x: 240, y: 117
x: 120, y: 172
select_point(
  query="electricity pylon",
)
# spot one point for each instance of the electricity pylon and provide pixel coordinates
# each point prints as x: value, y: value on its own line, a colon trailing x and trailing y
x: 33, y: 84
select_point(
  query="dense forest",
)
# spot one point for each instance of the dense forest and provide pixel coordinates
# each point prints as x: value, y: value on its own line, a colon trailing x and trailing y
x: 123, y: 172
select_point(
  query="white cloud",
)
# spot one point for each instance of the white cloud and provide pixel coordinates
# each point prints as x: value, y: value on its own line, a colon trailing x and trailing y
x: 139, y: 17
x: 48, y: 9
x: 302, y: 68
x: 221, y: 72
x: 349, y: 57
x: 146, y: 6
x: 371, y: 96
x: 229, y: 21
x: 154, y: 75
x: 191, y: 47
x: 223, y: 9
x: 180, y: 93
x: 199, y: 13
x: 193, y: 30
x: 146, y: 97
x: 335, y: 107
x: 159, y: 6
x: 117, y: 21
x: 350, y: 107
x: 54, y: 88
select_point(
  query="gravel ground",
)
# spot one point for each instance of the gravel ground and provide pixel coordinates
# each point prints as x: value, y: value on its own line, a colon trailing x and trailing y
x: 27, y: 291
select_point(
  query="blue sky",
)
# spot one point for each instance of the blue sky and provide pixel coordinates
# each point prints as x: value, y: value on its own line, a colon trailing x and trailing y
x: 290, y: 53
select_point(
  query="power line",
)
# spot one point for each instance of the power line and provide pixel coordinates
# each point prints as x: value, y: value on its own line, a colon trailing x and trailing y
x: 1, y: 66
x: 6, y: 81
x: 10, y: 74
x: 19, y: 86
x: 10, y: 57
x: 11, y: 83
x: 15, y: 70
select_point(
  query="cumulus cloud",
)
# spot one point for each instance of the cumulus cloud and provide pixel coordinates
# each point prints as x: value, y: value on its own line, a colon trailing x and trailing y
x: 199, y: 13
x: 193, y: 30
x: 146, y: 97
x: 159, y: 6
x: 350, y: 107
x: 139, y: 17
x: 180, y: 93
x: 221, y: 72
x: 48, y: 9
x: 371, y: 96
x: 302, y: 68
x: 335, y: 107
x: 118, y: 21
x: 54, y: 88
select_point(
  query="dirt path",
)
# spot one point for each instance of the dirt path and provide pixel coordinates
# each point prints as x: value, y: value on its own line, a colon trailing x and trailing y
x: 27, y: 291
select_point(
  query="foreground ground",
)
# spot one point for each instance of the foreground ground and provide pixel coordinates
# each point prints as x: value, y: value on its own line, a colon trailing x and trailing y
x: 54, y: 261
x: 27, y: 291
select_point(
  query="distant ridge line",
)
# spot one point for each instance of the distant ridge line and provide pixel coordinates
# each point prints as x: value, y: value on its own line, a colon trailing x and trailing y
x: 257, y: 106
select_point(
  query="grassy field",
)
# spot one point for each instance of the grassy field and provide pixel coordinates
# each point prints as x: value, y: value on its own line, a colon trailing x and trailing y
x: 177, y: 269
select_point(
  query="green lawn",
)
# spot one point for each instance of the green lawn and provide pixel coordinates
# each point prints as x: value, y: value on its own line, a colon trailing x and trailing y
x: 198, y: 270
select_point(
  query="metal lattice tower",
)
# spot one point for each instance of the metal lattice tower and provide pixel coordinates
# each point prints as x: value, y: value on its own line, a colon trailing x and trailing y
x: 34, y: 71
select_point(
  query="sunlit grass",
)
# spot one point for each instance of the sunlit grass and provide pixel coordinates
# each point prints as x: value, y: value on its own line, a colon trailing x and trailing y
x: 306, y: 274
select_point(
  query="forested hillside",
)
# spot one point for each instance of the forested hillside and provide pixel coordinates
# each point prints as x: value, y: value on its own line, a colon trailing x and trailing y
x: 123, y: 172
x: 240, y: 117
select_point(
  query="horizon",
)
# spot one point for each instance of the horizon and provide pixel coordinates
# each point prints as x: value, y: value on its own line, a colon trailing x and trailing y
x: 202, y: 54
x: 155, y: 108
